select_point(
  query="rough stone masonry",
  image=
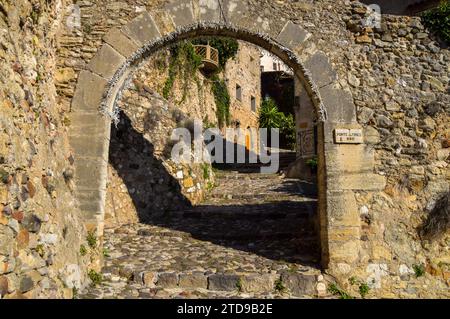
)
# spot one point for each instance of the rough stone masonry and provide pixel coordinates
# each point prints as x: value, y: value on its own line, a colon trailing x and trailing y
x: 374, y: 197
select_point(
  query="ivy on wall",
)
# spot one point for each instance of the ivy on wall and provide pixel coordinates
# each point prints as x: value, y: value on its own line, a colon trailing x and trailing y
x: 184, y: 63
x: 222, y: 99
x: 438, y: 20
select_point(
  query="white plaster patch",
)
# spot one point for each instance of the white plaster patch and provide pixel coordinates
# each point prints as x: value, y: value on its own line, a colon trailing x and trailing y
x: 233, y: 6
x: 344, y: 268
x: 364, y: 210
x: 405, y: 270
x: 49, y: 239
x: 140, y: 9
x: 71, y: 276
x: 191, y: 190
x: 210, y: 4
x: 321, y: 288
x: 376, y: 272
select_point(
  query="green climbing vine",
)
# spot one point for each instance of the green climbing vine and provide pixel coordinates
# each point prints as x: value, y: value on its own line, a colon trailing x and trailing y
x: 183, y: 62
x: 222, y: 99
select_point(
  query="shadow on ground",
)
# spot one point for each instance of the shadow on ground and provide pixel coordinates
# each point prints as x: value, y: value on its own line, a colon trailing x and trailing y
x: 279, y: 230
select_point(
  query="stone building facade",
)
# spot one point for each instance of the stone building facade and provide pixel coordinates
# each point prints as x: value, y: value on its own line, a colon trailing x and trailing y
x: 390, y: 82
x: 243, y: 78
x: 271, y: 63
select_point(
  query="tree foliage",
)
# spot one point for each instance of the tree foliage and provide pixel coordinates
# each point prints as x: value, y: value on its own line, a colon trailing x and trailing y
x: 438, y: 20
x: 270, y: 117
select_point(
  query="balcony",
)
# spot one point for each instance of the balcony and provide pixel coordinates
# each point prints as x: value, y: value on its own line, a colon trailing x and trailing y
x: 210, y: 57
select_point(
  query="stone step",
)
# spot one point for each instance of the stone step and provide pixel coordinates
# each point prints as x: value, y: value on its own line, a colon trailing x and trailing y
x: 272, y: 202
x: 283, y: 163
x: 296, y: 282
x: 267, y: 213
x: 267, y: 196
x: 246, y: 234
x: 227, y: 175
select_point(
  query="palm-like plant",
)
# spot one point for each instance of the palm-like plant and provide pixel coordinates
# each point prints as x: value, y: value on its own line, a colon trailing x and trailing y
x: 269, y: 116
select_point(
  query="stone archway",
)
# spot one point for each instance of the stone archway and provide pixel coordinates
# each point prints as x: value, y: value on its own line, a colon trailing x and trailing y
x: 100, y: 85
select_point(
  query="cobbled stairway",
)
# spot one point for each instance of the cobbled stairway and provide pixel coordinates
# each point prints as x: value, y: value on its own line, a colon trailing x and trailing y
x: 252, y: 238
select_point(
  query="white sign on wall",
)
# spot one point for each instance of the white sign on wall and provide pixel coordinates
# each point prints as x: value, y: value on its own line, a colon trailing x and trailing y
x: 348, y: 136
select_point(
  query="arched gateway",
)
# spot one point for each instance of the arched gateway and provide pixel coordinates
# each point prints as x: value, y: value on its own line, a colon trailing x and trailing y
x: 100, y: 85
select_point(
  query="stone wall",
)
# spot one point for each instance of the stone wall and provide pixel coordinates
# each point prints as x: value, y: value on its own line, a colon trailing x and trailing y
x: 41, y: 230
x: 399, y: 80
x: 143, y: 182
x: 191, y: 93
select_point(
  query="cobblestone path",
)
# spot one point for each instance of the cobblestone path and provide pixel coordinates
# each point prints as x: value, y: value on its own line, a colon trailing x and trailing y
x: 252, y: 238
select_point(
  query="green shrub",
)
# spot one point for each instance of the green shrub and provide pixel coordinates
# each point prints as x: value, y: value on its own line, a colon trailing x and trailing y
x: 205, y: 168
x: 239, y: 285
x: 95, y: 277
x: 312, y: 162
x: 363, y: 290
x: 419, y: 270
x: 210, y: 186
x: 83, y: 250
x: 269, y: 115
x: 105, y: 252
x: 279, y: 286
x: 40, y: 250
x: 74, y: 293
x: 91, y: 239
x: 438, y: 20
x: 336, y: 290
